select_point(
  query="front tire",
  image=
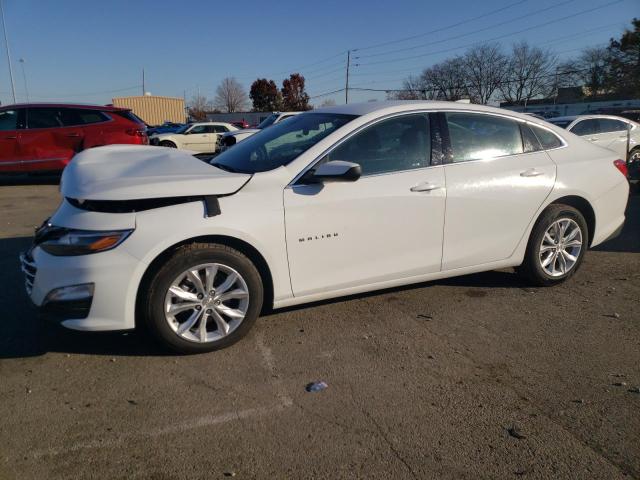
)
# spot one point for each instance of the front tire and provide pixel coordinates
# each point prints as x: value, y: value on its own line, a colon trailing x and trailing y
x: 168, y: 144
x: 556, y: 247
x: 204, y: 298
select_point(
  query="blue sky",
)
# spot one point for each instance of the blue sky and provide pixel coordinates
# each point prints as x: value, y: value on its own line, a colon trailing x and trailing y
x: 89, y: 51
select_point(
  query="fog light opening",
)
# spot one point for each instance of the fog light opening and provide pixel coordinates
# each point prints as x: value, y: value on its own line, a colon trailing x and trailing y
x: 70, y: 293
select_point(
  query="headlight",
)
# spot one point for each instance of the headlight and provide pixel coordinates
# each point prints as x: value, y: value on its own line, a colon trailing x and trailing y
x: 64, y: 242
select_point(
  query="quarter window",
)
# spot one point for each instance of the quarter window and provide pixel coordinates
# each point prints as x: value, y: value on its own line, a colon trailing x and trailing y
x: 8, y: 120
x: 397, y: 144
x: 477, y: 136
x: 547, y: 139
x: 530, y: 142
x: 611, y: 125
x: 87, y: 117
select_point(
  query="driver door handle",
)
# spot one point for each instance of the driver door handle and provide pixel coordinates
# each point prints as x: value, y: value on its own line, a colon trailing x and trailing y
x: 531, y: 172
x: 73, y: 134
x: 425, y: 187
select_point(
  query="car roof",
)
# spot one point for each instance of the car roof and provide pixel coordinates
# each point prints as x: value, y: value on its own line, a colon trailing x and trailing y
x: 612, y: 117
x: 568, y: 118
x: 397, y: 106
x: 104, y: 108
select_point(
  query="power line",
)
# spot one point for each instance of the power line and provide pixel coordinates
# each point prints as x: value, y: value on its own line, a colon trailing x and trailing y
x: 554, y: 40
x: 88, y: 94
x: 326, y: 59
x: 466, y: 34
x: 466, y: 87
x: 391, y: 42
x: 544, y: 24
x: 328, y: 93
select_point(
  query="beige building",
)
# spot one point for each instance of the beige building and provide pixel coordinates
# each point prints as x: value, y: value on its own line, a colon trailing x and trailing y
x: 154, y: 110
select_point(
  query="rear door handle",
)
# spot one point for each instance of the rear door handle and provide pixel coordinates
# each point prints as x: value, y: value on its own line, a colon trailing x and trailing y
x: 425, y: 187
x: 73, y: 134
x: 531, y: 172
x: 11, y: 137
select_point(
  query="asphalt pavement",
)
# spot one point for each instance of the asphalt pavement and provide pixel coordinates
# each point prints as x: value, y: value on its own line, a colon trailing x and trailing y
x: 475, y: 377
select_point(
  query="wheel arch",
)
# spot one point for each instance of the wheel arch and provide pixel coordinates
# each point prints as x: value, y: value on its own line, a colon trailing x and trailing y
x: 241, y: 245
x: 583, y: 206
x: 171, y: 140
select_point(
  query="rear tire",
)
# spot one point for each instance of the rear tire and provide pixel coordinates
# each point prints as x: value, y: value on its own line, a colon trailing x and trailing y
x: 168, y: 144
x: 225, y: 293
x: 556, y: 247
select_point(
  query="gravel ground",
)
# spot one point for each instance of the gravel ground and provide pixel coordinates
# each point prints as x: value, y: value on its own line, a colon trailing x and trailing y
x: 474, y: 377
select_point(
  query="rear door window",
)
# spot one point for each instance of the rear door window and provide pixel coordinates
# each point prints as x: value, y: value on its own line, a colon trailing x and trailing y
x: 586, y: 127
x: 198, y: 129
x: 87, y: 117
x: 44, y: 118
x: 477, y: 136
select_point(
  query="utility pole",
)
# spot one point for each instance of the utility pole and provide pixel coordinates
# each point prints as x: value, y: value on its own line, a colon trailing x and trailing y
x: 143, y: 87
x: 6, y: 43
x: 346, y: 90
x: 186, y: 109
x: 24, y: 77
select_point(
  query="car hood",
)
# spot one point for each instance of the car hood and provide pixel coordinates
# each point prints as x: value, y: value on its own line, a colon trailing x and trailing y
x: 123, y: 172
x: 249, y: 131
x: 165, y: 135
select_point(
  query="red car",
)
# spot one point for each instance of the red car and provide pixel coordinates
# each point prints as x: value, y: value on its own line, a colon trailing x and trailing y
x: 240, y: 124
x: 44, y: 137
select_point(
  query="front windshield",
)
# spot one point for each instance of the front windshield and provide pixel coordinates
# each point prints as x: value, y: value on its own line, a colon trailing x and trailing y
x: 280, y: 144
x: 561, y: 123
x: 267, y: 121
x: 182, y: 129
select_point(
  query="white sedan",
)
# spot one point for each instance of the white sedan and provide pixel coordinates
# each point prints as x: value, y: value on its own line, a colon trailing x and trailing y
x: 333, y: 202
x: 609, y: 131
x: 201, y: 137
x: 228, y: 140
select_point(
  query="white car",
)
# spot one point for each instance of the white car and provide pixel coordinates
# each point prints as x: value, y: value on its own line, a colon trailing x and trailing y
x: 333, y: 202
x: 228, y: 140
x: 201, y: 137
x: 608, y: 131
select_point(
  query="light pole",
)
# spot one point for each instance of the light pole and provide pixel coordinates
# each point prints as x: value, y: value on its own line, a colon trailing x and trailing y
x: 6, y: 44
x: 24, y: 76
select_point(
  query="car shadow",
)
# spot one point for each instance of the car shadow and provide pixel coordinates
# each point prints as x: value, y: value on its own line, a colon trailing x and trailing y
x: 629, y: 239
x: 15, y: 180
x: 23, y: 333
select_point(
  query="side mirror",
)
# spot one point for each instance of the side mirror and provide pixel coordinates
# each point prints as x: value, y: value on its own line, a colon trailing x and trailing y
x: 333, y: 171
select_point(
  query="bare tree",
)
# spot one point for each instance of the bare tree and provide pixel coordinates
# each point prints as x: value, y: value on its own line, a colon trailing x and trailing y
x: 486, y: 68
x: 230, y: 96
x: 592, y: 69
x: 330, y: 102
x: 412, y: 89
x: 446, y: 80
x: 198, y: 107
x: 530, y: 74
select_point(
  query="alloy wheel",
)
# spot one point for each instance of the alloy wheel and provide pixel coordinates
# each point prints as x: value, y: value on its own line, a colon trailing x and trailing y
x: 207, y: 302
x: 560, y: 247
